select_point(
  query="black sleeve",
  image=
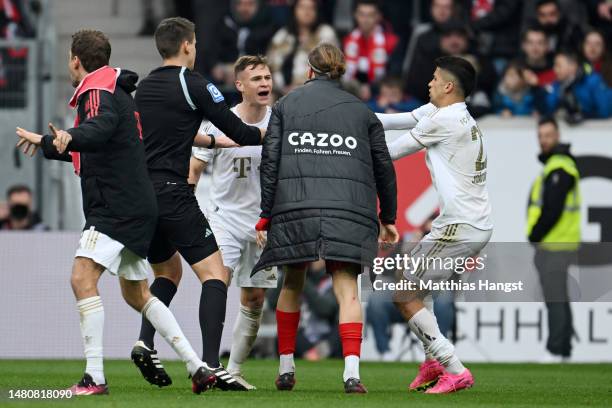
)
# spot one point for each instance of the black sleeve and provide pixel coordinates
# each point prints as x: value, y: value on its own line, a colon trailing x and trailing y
x: 211, y: 102
x: 270, y: 158
x: 102, y: 120
x: 556, y: 187
x: 384, y: 172
x: 50, y: 151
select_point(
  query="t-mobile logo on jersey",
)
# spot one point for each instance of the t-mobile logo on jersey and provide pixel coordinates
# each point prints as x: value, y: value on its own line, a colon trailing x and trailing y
x: 241, y: 166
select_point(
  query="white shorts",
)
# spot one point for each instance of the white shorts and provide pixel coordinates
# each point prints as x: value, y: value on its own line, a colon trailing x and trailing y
x: 240, y: 256
x: 112, y: 255
x: 447, y: 248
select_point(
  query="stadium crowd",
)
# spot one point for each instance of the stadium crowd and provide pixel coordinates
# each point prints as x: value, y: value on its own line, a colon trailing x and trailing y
x: 533, y: 57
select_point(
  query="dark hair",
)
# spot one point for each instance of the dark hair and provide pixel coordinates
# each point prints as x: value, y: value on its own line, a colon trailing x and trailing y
x: 92, y: 47
x: 540, y: 3
x: 292, y: 25
x: 18, y: 188
x: 606, y: 61
x: 392, y: 81
x: 531, y: 29
x: 570, y: 55
x: 548, y: 119
x: 249, y: 61
x: 170, y: 34
x: 327, y: 59
x: 374, y: 3
x: 461, y: 69
x: 516, y: 65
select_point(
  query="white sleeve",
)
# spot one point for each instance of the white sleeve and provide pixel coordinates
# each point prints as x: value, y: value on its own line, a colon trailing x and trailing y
x: 428, y: 132
x: 407, y: 120
x: 403, y: 146
x: 202, y: 153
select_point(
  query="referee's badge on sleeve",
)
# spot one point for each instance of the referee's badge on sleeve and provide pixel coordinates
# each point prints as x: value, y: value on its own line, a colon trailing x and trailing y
x: 215, y: 93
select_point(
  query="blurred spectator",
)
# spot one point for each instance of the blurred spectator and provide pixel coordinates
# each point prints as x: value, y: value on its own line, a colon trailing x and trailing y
x: 595, y: 53
x: 497, y: 26
x: 455, y: 41
x: 247, y: 29
x: 425, y: 40
x: 152, y: 16
x: 14, y: 24
x: 514, y: 96
x: 369, y: 46
x: 288, y: 52
x: 580, y: 94
x: 399, y: 14
x: 21, y: 215
x: 600, y: 15
x: 562, y: 33
x: 537, y: 58
x: 391, y: 98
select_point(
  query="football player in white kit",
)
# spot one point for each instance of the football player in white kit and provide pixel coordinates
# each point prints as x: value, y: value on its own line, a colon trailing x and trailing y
x: 235, y: 205
x: 457, y: 160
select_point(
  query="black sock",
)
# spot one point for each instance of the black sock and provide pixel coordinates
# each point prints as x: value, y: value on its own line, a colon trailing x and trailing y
x: 163, y: 289
x: 212, y: 318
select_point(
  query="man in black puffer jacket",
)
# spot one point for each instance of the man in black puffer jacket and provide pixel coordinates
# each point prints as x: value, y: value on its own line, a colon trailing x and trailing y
x: 324, y: 162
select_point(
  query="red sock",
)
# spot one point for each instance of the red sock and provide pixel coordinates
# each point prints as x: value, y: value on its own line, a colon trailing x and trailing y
x: 287, y: 327
x: 350, y: 336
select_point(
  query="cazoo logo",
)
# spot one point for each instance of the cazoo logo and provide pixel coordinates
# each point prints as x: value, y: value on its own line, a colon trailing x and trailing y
x: 321, y: 140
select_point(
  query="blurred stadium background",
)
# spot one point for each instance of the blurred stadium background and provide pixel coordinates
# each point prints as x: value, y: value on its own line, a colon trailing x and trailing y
x: 34, y: 89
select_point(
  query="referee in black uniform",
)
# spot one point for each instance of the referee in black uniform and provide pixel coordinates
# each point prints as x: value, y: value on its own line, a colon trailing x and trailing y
x: 172, y: 102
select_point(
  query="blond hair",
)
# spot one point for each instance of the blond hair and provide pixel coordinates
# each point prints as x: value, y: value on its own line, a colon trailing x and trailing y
x: 327, y: 59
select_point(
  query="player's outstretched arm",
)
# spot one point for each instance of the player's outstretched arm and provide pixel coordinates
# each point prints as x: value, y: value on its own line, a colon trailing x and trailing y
x: 212, y: 104
x: 403, y: 146
x: 30, y: 142
x: 102, y: 119
x: 407, y: 120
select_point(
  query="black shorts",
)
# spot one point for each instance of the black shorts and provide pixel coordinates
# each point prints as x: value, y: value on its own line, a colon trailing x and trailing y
x: 181, y: 226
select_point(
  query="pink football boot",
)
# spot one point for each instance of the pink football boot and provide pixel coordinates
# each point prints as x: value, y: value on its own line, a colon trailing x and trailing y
x: 429, y: 372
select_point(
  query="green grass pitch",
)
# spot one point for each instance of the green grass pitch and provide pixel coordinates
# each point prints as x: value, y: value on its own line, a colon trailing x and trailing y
x: 319, y: 385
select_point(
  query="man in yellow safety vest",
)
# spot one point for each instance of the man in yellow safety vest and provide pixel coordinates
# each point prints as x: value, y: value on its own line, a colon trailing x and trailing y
x: 553, y: 223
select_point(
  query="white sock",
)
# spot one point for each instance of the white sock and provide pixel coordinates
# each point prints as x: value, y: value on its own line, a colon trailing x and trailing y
x: 351, y: 367
x: 425, y: 326
x: 287, y: 365
x: 92, y: 329
x: 166, y: 325
x: 244, y: 335
x: 429, y: 305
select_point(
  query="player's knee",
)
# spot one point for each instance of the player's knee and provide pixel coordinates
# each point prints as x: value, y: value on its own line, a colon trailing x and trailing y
x: 254, y: 298
x: 83, y: 284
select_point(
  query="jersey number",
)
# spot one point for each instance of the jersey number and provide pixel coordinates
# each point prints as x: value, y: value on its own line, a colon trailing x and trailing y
x: 481, y: 161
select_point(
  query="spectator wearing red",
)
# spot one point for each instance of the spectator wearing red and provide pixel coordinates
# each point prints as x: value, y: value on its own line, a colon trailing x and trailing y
x: 368, y: 47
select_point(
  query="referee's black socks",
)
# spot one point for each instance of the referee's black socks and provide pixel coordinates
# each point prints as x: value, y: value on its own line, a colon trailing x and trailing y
x: 163, y: 289
x: 212, y: 318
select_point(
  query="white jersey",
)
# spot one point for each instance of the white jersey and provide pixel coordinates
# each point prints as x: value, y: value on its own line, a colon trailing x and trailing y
x: 235, y: 193
x: 457, y: 161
